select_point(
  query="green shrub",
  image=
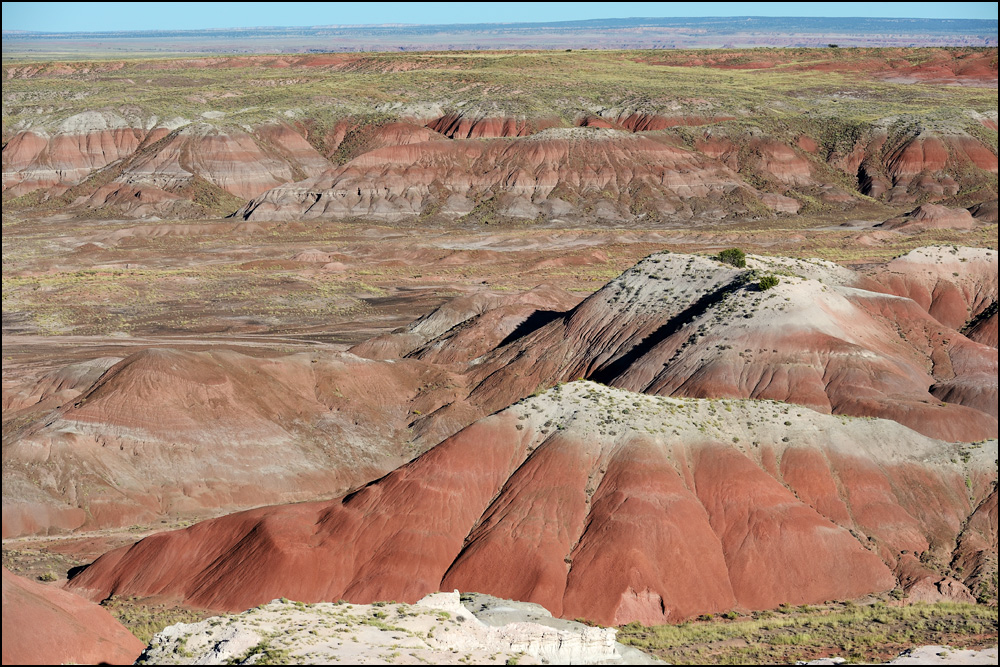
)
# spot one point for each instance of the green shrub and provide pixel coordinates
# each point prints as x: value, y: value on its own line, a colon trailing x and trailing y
x: 767, y: 282
x: 733, y: 256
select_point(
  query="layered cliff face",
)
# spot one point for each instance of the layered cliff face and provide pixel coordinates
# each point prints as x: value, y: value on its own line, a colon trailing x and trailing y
x: 94, y: 161
x: 624, y: 168
x: 556, y: 174
x: 598, y: 503
x: 43, y: 625
x: 789, y: 128
x: 57, y: 159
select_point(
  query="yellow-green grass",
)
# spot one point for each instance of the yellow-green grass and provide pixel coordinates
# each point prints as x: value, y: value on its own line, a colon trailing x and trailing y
x: 859, y: 633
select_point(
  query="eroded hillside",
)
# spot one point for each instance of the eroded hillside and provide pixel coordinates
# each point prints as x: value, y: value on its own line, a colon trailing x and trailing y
x: 602, y: 137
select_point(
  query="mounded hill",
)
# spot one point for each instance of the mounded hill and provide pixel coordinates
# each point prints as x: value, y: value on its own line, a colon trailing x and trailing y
x: 166, y: 432
x: 954, y: 285
x: 43, y: 625
x: 931, y: 216
x: 603, y: 504
x: 688, y: 325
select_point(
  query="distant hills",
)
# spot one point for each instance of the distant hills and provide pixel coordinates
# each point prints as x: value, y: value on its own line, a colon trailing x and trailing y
x: 628, y: 33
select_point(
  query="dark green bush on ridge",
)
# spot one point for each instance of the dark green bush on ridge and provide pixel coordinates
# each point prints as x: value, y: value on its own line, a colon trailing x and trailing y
x: 733, y: 256
x: 767, y: 282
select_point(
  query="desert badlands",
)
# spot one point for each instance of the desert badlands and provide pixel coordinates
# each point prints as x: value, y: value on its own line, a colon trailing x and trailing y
x: 490, y: 356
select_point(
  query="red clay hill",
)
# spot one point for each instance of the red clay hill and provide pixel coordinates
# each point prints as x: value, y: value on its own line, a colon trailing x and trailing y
x: 603, y: 504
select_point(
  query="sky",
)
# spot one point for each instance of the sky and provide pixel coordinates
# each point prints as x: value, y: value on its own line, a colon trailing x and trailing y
x: 101, y: 16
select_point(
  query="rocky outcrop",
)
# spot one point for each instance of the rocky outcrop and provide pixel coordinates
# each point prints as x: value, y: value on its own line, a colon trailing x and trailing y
x: 43, y: 625
x: 598, y: 503
x: 437, y: 629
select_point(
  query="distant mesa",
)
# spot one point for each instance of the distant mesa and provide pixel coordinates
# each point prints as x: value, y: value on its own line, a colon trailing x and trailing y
x: 660, y: 33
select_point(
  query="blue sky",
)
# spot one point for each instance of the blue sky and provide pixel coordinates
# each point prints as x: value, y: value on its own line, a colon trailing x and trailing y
x: 84, y: 16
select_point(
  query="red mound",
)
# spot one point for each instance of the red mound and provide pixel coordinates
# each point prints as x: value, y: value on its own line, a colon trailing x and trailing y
x: 764, y: 156
x: 643, y: 122
x: 932, y: 216
x: 461, y: 126
x: 596, y: 121
x: 596, y: 503
x: 985, y: 212
x: 364, y: 138
x: 916, y: 166
x: 43, y: 625
x: 953, y: 284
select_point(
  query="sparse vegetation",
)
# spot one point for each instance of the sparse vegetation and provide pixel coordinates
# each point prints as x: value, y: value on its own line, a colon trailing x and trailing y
x: 872, y: 633
x: 145, y: 620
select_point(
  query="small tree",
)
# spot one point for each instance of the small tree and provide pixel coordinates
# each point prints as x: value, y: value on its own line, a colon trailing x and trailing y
x: 767, y: 282
x: 733, y: 256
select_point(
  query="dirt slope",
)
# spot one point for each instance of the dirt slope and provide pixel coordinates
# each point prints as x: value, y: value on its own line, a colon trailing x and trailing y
x: 43, y: 625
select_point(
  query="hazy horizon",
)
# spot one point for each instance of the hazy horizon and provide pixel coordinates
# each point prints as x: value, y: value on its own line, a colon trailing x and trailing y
x: 68, y: 17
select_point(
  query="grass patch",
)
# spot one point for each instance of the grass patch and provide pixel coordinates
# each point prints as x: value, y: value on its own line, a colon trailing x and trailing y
x: 859, y: 633
x: 145, y: 620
